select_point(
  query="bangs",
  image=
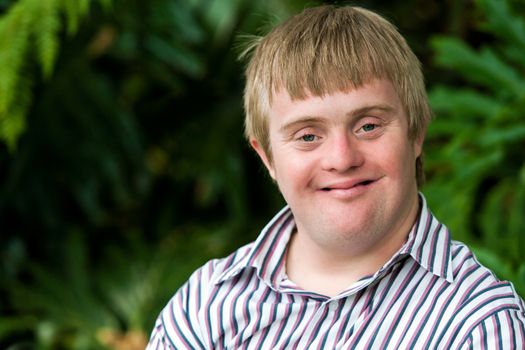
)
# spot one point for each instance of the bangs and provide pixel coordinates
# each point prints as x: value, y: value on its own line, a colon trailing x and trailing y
x: 328, y: 54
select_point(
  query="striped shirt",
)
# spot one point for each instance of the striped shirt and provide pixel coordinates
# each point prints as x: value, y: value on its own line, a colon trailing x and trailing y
x: 432, y: 294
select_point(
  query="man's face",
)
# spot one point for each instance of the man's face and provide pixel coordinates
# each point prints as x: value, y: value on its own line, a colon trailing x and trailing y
x: 344, y: 164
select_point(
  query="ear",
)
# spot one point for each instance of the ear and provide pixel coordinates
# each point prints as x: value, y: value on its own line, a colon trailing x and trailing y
x: 418, y: 144
x: 262, y: 154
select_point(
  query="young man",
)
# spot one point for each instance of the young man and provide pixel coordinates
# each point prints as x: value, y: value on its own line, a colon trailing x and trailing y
x: 337, y: 111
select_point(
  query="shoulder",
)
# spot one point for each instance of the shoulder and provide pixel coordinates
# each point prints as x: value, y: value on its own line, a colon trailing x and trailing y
x: 504, y: 329
x: 213, y: 270
x: 477, y: 283
x: 179, y: 324
x: 484, y: 305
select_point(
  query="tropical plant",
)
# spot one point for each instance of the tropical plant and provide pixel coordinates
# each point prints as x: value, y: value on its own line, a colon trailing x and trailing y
x: 476, y: 158
x: 30, y: 34
x: 110, y: 302
x: 137, y: 131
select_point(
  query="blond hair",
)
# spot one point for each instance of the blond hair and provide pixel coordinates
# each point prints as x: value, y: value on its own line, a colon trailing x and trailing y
x: 328, y: 49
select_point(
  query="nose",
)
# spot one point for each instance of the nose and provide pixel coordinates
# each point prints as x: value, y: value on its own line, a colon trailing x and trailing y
x: 341, y: 153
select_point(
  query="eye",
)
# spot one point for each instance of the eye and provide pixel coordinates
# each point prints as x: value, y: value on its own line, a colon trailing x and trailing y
x: 369, y: 127
x: 308, y: 138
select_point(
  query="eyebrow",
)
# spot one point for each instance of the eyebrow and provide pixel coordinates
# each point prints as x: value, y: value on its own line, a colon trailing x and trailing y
x: 317, y: 120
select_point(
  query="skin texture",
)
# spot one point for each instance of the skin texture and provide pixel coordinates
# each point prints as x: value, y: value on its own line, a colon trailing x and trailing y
x: 345, y: 165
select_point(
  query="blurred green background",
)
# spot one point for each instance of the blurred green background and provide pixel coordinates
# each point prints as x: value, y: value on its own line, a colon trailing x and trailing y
x: 123, y: 166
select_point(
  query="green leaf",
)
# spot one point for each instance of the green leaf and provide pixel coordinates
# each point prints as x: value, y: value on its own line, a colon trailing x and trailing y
x: 503, y: 23
x: 520, y: 280
x: 467, y: 103
x: 14, y: 43
x: 11, y: 128
x: 484, y: 68
x: 494, y: 219
x: 176, y: 55
x: 46, y: 32
x: 220, y: 16
x: 72, y: 11
x: 516, y: 225
x: 503, y: 136
x: 11, y: 325
x: 29, y: 25
x: 477, y: 168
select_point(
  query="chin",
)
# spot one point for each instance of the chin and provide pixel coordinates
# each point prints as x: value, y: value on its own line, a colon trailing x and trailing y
x: 348, y: 225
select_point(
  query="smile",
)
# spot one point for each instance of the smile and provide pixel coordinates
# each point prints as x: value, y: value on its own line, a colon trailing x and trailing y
x: 347, y: 185
x: 347, y: 189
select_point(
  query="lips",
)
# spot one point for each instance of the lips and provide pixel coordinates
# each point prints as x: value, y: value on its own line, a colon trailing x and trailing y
x: 347, y: 185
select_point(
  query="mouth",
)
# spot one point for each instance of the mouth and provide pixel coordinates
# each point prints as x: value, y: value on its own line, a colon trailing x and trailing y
x: 347, y: 186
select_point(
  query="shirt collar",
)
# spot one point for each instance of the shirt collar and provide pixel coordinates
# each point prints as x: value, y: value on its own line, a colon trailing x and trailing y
x: 267, y: 252
x: 428, y: 243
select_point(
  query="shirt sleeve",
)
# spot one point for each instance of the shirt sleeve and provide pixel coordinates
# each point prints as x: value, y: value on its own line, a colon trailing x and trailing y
x: 178, y: 325
x: 158, y: 338
x: 502, y: 330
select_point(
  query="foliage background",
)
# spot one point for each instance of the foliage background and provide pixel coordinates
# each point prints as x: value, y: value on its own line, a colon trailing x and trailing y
x: 123, y: 166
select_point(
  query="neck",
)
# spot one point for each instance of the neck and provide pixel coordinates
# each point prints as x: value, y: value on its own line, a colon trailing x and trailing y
x: 331, y: 270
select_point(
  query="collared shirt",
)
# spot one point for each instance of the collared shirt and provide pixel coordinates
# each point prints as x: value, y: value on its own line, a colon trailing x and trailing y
x: 432, y: 294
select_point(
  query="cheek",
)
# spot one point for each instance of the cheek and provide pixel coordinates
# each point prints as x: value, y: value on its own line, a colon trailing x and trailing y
x: 396, y: 159
x: 293, y: 172
x: 406, y: 163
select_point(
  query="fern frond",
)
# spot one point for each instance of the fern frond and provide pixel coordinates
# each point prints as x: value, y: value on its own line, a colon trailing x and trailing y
x: 11, y: 128
x: 483, y: 67
x: 503, y: 23
x: 73, y: 14
x: 13, y: 121
x: 106, y: 4
x: 83, y: 7
x: 47, y: 27
x: 467, y: 103
x: 14, y: 43
x: 30, y: 25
